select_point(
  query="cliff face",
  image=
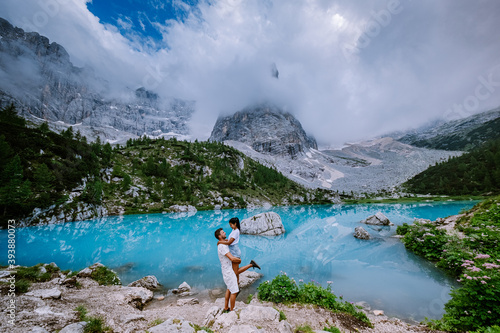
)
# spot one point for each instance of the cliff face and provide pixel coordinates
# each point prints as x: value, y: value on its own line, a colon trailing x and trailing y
x: 39, y: 78
x: 265, y: 128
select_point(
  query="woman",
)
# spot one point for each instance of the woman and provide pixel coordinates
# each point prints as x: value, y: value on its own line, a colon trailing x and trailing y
x: 232, y: 241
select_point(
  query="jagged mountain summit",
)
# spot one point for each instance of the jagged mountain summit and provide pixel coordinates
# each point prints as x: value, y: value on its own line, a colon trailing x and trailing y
x: 39, y: 79
x: 267, y: 129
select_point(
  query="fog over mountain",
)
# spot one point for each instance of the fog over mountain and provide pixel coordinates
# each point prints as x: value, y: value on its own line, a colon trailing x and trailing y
x: 347, y: 70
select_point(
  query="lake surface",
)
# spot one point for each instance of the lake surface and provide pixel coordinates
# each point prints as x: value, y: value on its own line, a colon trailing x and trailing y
x: 318, y: 245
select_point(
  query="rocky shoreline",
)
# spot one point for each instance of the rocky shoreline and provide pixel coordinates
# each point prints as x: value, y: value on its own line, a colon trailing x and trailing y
x: 51, y: 307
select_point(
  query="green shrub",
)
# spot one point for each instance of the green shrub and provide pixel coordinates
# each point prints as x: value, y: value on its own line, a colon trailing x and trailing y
x: 105, y: 276
x: 82, y: 312
x: 477, y: 303
x: 95, y: 325
x: 22, y: 285
x: 426, y: 240
x: 283, y: 289
x: 403, y: 229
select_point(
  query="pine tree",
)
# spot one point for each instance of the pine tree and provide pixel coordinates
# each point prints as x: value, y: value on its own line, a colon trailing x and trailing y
x: 16, y: 191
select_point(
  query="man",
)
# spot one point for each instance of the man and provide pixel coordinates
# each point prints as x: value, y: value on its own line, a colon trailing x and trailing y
x: 226, y: 260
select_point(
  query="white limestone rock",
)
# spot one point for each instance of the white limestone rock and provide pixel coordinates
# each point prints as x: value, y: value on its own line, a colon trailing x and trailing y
x: 264, y: 224
x: 183, y: 289
x: 253, y: 313
x: 74, y: 328
x: 187, y: 301
x: 245, y: 329
x: 177, y: 325
x: 377, y: 219
x: 247, y: 278
x: 149, y: 282
x: 45, y: 293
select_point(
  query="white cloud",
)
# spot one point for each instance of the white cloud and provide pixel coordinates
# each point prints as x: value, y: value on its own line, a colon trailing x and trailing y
x: 347, y: 70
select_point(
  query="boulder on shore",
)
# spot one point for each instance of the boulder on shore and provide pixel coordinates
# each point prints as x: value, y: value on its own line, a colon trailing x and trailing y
x: 264, y: 224
x: 361, y: 233
x: 377, y: 219
x: 149, y: 282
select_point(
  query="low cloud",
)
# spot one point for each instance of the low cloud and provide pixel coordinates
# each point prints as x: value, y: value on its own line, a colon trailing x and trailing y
x: 347, y: 71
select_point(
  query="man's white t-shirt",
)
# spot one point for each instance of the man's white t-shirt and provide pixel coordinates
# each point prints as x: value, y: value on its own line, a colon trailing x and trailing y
x: 227, y: 269
x: 235, y: 234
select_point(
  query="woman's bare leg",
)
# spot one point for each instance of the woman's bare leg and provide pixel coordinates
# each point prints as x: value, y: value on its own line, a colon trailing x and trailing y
x: 236, y: 268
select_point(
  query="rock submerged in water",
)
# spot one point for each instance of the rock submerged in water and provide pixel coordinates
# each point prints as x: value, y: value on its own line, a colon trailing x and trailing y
x: 377, y: 219
x: 361, y: 233
x: 264, y: 224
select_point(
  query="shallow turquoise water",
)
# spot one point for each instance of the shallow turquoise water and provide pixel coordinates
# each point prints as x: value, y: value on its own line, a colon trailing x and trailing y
x: 318, y: 245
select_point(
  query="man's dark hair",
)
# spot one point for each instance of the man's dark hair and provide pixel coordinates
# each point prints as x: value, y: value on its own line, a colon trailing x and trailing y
x: 217, y: 233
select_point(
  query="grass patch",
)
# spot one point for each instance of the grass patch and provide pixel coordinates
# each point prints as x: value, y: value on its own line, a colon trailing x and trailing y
x: 249, y: 299
x: 283, y: 289
x: 304, y: 329
x: 332, y: 329
x: 198, y: 328
x: 104, y: 276
x: 156, y: 322
x: 94, y: 324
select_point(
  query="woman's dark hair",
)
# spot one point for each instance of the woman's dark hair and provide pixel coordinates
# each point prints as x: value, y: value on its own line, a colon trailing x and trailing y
x: 217, y: 233
x: 236, y: 221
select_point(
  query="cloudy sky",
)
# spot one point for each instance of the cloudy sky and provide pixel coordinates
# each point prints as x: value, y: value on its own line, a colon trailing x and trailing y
x: 348, y: 70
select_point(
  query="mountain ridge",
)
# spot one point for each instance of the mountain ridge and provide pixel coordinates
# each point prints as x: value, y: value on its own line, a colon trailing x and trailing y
x: 40, y: 80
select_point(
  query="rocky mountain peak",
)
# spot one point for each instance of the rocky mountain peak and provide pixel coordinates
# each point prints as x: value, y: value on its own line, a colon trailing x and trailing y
x: 266, y: 128
x: 40, y: 80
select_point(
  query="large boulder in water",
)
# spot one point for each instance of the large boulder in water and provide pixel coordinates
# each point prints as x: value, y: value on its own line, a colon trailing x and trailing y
x: 361, y: 233
x: 264, y: 224
x: 377, y: 219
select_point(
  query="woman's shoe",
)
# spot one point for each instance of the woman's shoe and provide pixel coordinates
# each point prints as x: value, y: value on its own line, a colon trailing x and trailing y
x: 226, y: 311
x: 254, y: 264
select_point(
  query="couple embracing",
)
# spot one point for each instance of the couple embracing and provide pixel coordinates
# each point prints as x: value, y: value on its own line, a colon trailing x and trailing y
x: 230, y: 259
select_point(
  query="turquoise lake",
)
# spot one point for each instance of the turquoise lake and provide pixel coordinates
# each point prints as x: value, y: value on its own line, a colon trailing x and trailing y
x: 318, y: 245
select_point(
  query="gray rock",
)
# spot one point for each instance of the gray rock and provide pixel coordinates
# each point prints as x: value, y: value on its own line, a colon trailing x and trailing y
x: 182, y: 289
x: 264, y: 224
x: 132, y: 317
x: 267, y: 129
x: 137, y: 296
x: 43, y: 270
x: 173, y: 325
x: 225, y: 320
x: 377, y: 219
x: 74, y: 328
x: 149, y: 282
x: 245, y: 329
x: 247, y: 278
x: 187, y: 301
x: 38, y: 329
x: 361, y: 233
x: 212, y: 315
x: 45, y: 293
x: 285, y: 327
x: 253, y: 313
